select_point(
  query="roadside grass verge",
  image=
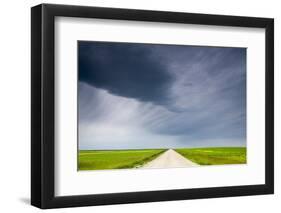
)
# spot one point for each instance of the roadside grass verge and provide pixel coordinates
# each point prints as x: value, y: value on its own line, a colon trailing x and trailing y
x: 215, y: 156
x: 115, y: 159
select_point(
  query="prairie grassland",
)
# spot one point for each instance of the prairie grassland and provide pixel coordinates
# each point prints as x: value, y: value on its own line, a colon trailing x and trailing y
x: 215, y: 156
x: 115, y: 159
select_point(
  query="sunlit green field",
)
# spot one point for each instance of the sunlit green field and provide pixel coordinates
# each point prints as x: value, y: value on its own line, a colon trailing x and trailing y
x: 115, y: 159
x: 215, y: 156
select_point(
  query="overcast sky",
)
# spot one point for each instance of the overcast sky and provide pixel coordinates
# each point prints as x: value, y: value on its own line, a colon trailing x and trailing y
x: 134, y: 96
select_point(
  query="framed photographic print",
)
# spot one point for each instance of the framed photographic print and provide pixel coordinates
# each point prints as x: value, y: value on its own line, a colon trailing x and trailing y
x: 139, y: 106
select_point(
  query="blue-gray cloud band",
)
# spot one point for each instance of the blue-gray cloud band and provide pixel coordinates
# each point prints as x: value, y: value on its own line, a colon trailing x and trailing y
x: 127, y: 70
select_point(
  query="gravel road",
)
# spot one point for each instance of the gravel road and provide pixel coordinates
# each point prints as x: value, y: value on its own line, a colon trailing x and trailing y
x: 169, y: 159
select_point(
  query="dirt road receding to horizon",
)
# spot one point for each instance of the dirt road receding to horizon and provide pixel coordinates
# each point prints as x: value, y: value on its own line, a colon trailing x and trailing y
x: 169, y: 159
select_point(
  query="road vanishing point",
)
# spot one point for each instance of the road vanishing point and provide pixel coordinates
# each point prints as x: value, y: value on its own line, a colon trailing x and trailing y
x: 169, y: 159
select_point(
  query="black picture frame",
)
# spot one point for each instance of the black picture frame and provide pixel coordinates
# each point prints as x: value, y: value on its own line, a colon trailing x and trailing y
x: 43, y: 102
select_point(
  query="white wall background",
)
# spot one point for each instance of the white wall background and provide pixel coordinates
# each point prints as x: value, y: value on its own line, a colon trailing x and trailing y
x: 15, y: 105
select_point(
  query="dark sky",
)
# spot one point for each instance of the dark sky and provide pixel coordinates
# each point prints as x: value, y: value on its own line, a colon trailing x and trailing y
x: 149, y: 96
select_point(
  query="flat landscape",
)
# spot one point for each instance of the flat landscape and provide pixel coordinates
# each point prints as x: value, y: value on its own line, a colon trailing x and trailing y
x: 115, y: 159
x: 215, y: 156
x: 160, y: 158
x: 153, y: 105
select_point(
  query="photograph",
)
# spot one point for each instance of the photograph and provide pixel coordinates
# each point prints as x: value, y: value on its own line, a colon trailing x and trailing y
x: 144, y: 106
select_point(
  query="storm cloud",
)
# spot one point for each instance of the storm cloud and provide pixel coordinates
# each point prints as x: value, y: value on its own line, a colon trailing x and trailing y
x: 153, y: 96
x: 128, y: 70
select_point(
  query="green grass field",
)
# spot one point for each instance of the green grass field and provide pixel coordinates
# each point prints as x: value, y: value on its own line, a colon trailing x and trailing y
x: 215, y: 156
x: 115, y: 159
